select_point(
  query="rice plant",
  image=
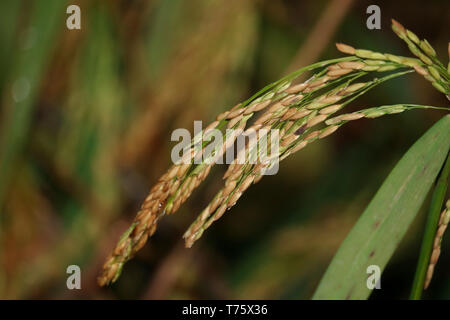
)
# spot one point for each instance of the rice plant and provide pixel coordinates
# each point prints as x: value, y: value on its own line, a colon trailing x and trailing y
x: 303, y: 112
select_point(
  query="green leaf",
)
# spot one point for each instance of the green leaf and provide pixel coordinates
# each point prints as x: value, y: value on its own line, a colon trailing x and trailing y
x: 434, y: 214
x: 379, y: 230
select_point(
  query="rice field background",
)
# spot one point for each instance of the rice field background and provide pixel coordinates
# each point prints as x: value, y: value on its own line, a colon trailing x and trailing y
x: 85, y: 124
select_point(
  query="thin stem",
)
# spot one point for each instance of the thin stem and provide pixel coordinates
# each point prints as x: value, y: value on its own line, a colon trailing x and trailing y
x: 294, y: 75
x: 430, y: 230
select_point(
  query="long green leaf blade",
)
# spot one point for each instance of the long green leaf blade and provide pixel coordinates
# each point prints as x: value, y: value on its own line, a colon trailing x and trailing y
x: 434, y: 214
x: 379, y: 230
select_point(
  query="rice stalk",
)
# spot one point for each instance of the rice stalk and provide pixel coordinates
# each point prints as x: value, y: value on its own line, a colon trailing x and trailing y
x: 442, y: 226
x: 294, y: 109
x: 177, y: 184
x: 427, y: 64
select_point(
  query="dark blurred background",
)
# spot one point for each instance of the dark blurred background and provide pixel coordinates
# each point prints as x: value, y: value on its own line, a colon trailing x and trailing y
x: 85, y: 124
